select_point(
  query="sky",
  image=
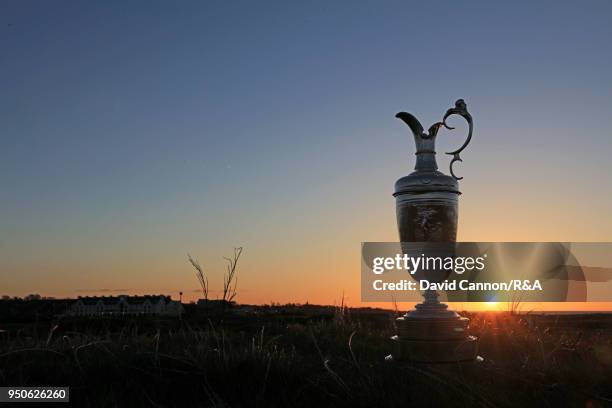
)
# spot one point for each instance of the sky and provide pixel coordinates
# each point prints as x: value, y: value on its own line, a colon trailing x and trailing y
x: 133, y: 133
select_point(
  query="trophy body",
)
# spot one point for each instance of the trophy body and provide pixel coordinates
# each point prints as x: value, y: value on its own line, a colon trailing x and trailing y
x: 427, y: 216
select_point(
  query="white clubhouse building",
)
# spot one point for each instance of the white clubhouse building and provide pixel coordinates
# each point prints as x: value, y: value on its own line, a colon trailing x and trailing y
x: 125, y: 305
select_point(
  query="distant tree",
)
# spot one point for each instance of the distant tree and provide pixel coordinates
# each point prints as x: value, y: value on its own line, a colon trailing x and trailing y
x: 6, y: 297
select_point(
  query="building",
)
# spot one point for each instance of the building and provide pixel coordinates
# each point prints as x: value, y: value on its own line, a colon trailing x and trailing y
x: 125, y: 305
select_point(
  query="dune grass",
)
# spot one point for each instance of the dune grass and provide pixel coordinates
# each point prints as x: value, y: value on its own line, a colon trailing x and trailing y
x: 279, y: 360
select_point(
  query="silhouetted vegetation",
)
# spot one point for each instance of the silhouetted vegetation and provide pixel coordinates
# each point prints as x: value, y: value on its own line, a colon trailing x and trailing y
x: 202, y: 277
x: 303, y: 356
x: 230, y: 279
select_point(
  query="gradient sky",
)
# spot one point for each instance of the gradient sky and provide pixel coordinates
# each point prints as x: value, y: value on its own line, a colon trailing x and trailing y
x: 133, y: 133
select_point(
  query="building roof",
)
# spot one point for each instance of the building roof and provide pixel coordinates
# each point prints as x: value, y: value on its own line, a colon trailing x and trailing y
x: 133, y: 300
x: 151, y: 298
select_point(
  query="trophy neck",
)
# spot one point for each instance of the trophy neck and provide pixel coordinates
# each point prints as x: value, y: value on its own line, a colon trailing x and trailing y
x: 426, y: 161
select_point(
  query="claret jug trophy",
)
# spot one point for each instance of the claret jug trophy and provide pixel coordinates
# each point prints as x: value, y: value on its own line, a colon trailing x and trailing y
x: 427, y: 212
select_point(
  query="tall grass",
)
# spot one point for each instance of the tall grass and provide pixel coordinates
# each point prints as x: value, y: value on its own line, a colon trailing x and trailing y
x: 279, y: 359
x: 200, y: 275
x: 230, y: 280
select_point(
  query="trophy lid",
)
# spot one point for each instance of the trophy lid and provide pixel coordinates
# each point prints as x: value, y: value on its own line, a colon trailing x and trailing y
x: 424, y: 181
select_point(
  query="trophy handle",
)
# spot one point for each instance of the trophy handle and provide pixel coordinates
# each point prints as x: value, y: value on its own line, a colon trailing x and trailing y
x: 461, y: 110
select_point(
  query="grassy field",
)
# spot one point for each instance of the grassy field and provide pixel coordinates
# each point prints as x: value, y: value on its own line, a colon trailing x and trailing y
x: 304, y: 357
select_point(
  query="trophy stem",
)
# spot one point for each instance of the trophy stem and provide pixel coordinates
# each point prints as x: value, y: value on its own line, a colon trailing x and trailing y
x: 431, y: 308
x: 431, y: 297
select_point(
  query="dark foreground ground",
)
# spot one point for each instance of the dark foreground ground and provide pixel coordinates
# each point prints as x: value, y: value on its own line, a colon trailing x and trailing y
x: 305, y: 357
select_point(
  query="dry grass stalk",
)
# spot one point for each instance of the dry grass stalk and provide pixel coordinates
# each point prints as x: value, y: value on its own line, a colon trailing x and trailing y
x: 230, y: 280
x: 202, y: 278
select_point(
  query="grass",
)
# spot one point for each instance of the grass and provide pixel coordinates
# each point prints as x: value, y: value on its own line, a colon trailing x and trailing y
x: 279, y: 358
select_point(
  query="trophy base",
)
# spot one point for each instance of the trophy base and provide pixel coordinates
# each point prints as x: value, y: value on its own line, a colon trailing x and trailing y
x: 433, y: 334
x: 435, y: 351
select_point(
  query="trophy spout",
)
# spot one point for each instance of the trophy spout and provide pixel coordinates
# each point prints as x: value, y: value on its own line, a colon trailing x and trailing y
x: 425, y: 142
x: 412, y: 122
